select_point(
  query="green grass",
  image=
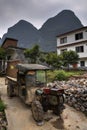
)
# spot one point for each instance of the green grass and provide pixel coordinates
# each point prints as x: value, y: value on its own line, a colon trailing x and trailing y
x: 2, y: 106
x: 61, y: 75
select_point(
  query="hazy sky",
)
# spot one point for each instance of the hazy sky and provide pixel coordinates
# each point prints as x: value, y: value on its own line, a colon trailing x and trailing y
x: 37, y: 11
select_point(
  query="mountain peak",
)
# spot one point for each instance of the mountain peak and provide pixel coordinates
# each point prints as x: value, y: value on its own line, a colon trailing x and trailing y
x: 22, y: 21
x: 23, y: 24
x: 27, y: 35
x: 65, y: 17
x: 66, y: 12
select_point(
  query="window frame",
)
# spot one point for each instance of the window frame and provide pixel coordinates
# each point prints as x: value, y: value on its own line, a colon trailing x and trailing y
x: 79, y: 49
x: 82, y: 63
x: 79, y: 36
x: 63, y: 40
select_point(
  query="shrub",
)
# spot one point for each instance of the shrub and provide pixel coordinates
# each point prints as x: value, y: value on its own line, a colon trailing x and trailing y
x: 2, y: 106
x: 50, y: 76
x: 61, y: 75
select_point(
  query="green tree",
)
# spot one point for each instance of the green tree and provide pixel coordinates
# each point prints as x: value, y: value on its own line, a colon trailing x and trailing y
x: 42, y: 57
x: 32, y: 54
x: 70, y: 57
x: 2, y: 58
x: 2, y: 54
x: 54, y: 60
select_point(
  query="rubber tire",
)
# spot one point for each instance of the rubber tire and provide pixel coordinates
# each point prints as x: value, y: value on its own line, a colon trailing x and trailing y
x: 37, y: 111
x: 59, y: 109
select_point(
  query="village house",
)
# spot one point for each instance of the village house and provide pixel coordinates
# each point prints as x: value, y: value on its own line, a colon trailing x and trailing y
x: 15, y: 54
x: 13, y: 51
x: 75, y: 40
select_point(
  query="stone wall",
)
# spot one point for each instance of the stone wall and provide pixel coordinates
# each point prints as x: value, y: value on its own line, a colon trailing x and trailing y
x: 75, y: 92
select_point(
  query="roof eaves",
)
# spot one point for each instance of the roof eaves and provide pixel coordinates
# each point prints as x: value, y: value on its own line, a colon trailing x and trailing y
x: 71, y: 31
x: 8, y: 39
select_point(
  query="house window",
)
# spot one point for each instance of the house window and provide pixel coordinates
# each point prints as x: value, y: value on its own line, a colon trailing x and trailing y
x: 62, y: 50
x: 82, y: 63
x: 63, y: 40
x: 78, y: 36
x: 80, y: 49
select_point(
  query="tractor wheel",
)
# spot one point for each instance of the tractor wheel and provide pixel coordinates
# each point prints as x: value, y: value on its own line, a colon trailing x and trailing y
x: 9, y: 91
x: 37, y: 111
x: 57, y: 110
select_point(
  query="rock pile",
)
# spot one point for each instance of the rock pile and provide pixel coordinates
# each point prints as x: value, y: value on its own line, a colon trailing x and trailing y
x: 3, y: 121
x: 76, y: 94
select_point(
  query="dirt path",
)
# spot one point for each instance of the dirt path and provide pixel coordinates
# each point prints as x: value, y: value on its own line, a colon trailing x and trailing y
x: 19, y: 116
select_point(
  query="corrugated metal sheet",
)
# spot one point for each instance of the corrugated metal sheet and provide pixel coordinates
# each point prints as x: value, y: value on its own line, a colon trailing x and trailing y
x: 26, y: 67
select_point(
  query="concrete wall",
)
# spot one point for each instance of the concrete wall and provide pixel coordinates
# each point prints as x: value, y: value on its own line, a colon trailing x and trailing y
x: 72, y: 44
x: 71, y: 38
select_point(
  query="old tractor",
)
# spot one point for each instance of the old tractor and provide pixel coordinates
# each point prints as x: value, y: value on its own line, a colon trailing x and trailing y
x: 31, y: 86
x: 47, y: 99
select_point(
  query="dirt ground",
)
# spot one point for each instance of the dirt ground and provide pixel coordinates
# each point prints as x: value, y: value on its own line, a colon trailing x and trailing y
x: 19, y: 116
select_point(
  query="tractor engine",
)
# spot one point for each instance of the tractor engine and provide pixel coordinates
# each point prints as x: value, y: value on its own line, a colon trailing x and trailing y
x: 51, y: 99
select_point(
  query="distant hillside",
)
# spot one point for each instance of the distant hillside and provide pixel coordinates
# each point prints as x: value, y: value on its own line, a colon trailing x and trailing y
x: 24, y: 32
x: 27, y: 35
x: 63, y: 22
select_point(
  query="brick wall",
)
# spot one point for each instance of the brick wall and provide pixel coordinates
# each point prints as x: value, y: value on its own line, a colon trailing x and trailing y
x: 11, y: 68
x: 9, y: 42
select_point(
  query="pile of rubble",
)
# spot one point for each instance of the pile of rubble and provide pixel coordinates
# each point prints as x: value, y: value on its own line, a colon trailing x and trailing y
x: 75, y: 92
x: 3, y: 121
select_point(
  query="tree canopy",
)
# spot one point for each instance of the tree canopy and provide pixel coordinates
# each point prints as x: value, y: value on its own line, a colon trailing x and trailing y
x: 2, y: 53
x: 54, y: 60
x: 32, y: 53
x: 70, y: 57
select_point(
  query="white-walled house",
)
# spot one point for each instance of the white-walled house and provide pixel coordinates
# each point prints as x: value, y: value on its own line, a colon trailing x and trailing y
x: 75, y: 40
